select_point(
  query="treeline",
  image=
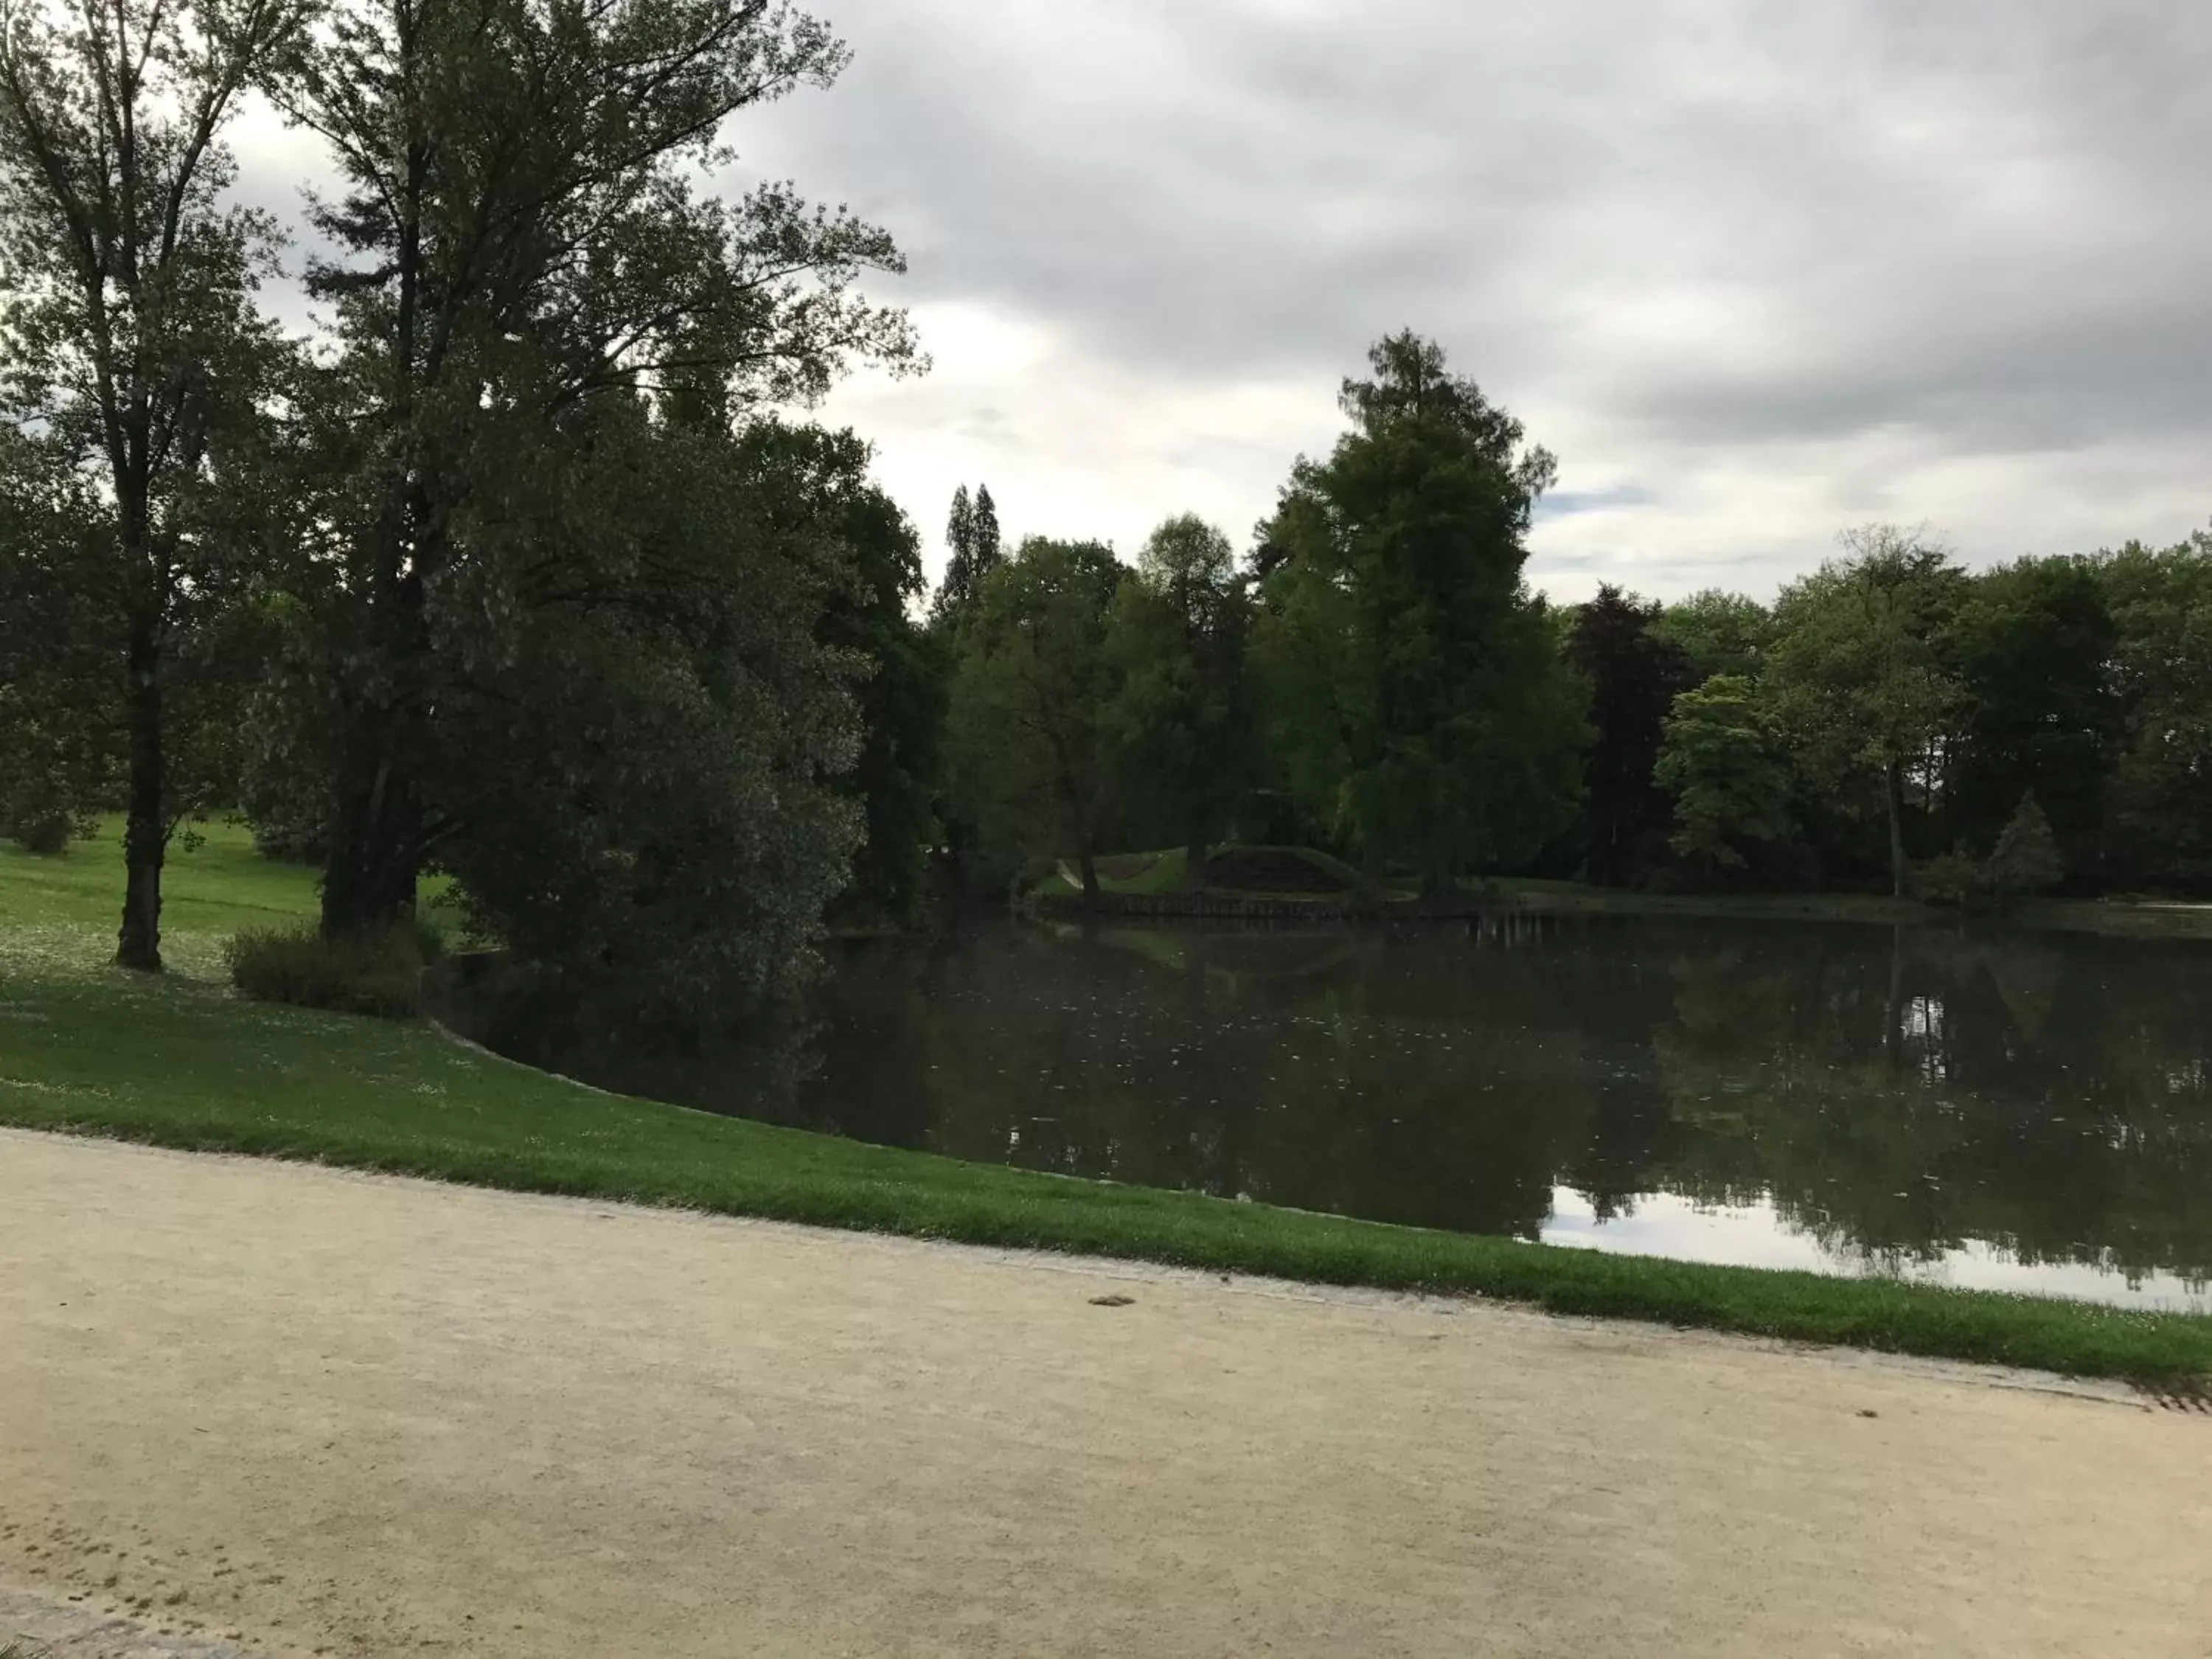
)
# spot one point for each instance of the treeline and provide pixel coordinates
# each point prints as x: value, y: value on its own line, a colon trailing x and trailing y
x: 1377, y: 679
x: 2045, y: 723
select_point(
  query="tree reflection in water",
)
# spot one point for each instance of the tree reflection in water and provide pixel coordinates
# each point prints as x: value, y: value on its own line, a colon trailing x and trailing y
x: 1895, y: 1096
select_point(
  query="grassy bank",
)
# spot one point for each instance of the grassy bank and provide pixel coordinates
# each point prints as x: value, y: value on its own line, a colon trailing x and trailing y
x: 2135, y: 918
x: 1324, y: 880
x: 1162, y: 875
x: 181, y: 1063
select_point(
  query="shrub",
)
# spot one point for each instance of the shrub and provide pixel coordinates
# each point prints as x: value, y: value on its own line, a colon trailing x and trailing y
x: 380, y: 975
x: 2026, y: 858
x: 44, y: 833
x: 39, y: 812
x: 1952, y: 880
x: 1034, y: 872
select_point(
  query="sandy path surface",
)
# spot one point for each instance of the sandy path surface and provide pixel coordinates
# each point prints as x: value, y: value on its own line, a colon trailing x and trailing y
x: 305, y: 1410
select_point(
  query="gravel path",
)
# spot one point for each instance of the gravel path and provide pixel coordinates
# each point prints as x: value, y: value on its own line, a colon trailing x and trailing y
x: 302, y: 1410
x: 55, y: 1627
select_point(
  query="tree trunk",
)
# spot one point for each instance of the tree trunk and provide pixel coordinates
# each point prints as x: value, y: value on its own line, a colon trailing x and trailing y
x: 375, y: 859
x: 375, y: 855
x: 1088, y: 867
x: 146, y: 830
x: 1370, y: 878
x: 1894, y: 794
x: 1439, y: 877
x: 1893, y: 1026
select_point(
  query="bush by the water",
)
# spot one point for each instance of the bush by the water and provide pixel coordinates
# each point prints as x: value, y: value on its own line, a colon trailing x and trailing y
x: 2026, y: 858
x: 1953, y: 881
x: 380, y: 975
x: 2025, y: 861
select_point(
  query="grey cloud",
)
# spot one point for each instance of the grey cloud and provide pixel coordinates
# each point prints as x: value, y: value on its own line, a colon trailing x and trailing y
x: 1983, y: 217
x: 1750, y: 269
x: 1566, y: 504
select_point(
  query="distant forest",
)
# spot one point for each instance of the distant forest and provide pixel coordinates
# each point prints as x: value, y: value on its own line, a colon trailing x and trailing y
x: 1377, y: 679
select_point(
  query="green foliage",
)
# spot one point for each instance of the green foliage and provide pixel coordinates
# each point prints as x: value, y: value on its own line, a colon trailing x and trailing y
x: 1719, y: 633
x: 1953, y: 880
x: 1029, y: 746
x: 1861, y: 679
x: 46, y: 829
x: 653, y: 793
x: 2161, y: 803
x: 59, y: 641
x: 1181, y: 722
x: 290, y: 809
x: 2026, y: 858
x: 1418, y: 706
x: 378, y: 975
x: 1723, y: 763
x: 1633, y: 673
x: 130, y: 343
x: 544, y: 335
x: 2035, y: 640
x: 812, y: 486
x: 972, y: 532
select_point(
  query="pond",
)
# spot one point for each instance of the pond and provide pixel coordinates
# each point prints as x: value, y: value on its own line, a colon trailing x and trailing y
x: 1992, y: 1108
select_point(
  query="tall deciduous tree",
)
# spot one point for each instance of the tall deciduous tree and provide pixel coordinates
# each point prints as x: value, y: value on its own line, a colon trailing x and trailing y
x: 128, y: 340
x: 1182, y: 718
x: 2161, y: 817
x: 519, y: 235
x: 1723, y: 763
x: 1862, y: 675
x: 1421, y: 709
x: 646, y: 782
x: 1719, y: 633
x: 1634, y: 674
x: 2035, y: 641
x: 1028, y: 737
x: 814, y: 487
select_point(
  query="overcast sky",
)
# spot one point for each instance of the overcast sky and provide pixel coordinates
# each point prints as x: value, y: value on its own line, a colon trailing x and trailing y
x: 1754, y: 272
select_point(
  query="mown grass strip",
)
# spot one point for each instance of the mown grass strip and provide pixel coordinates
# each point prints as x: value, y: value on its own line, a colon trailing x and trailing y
x: 182, y: 1063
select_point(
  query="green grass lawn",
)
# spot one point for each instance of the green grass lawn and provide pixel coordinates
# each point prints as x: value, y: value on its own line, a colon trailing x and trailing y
x: 1168, y: 871
x: 1581, y: 898
x: 1137, y: 872
x: 180, y: 1062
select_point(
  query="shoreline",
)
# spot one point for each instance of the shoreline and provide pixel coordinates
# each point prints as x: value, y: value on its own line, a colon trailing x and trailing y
x: 2135, y: 919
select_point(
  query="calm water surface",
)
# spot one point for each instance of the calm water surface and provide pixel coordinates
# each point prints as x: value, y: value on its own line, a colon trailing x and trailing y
x: 2017, y: 1111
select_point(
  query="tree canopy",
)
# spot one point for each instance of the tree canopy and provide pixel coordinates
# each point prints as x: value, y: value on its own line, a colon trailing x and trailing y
x: 1421, y: 711
x: 1029, y: 735
x: 131, y: 350
x: 1181, y: 724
